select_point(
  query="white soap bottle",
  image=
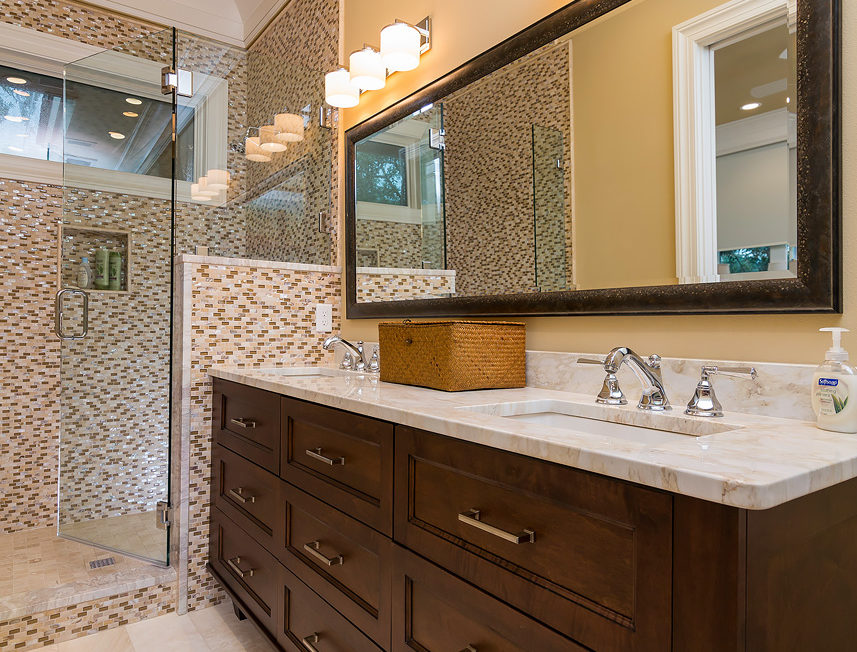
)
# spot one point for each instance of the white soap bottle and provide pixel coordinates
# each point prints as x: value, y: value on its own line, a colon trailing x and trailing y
x: 834, y: 388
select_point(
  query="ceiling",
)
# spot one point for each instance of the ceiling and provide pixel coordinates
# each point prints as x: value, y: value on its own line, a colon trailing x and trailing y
x: 236, y: 22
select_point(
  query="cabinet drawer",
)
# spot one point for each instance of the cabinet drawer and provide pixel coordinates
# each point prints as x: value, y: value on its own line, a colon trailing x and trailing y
x: 305, y: 622
x: 247, y: 420
x: 344, y: 459
x: 438, y: 612
x: 346, y: 562
x: 588, y: 555
x: 249, y: 570
x: 248, y: 494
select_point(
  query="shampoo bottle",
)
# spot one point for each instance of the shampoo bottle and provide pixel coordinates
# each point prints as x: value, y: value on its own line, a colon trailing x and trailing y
x: 834, y: 388
x: 102, y: 262
x: 84, y: 274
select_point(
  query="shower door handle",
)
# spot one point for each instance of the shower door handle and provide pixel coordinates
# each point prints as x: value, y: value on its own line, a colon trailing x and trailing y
x: 58, y: 314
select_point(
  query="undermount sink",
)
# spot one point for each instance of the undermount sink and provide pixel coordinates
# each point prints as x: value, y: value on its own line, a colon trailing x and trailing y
x: 646, y: 428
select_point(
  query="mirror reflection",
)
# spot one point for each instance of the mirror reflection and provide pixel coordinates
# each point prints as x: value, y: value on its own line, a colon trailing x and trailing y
x: 655, y: 145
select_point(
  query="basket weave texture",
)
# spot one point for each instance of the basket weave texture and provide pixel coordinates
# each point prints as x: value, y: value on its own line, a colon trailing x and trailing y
x: 455, y: 355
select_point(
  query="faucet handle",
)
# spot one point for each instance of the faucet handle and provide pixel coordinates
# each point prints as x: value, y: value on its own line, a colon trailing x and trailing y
x: 710, y: 369
x: 611, y: 393
x: 654, y: 361
x: 590, y: 361
x: 347, y: 361
x: 374, y: 362
x: 704, y: 401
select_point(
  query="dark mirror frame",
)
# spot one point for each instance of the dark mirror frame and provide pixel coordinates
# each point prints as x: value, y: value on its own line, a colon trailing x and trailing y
x: 818, y: 286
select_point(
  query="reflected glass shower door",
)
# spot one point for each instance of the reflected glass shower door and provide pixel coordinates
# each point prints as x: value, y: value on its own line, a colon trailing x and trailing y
x: 116, y: 332
x: 549, y: 210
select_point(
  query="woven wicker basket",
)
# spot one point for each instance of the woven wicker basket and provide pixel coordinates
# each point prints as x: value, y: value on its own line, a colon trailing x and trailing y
x: 453, y: 355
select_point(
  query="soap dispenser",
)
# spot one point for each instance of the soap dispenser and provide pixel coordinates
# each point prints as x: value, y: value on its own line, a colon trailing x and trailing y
x: 834, y: 388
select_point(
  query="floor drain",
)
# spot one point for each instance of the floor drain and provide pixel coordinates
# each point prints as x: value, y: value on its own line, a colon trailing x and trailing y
x: 101, y: 563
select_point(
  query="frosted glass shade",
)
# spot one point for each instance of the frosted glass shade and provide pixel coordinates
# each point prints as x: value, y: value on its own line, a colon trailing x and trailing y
x: 400, y: 47
x: 268, y: 139
x: 218, y: 179
x: 203, y: 188
x: 367, y: 69
x: 196, y: 195
x: 290, y: 127
x: 254, y: 152
x: 339, y: 91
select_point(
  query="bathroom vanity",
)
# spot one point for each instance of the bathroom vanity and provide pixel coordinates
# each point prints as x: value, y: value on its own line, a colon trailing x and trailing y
x: 349, y: 514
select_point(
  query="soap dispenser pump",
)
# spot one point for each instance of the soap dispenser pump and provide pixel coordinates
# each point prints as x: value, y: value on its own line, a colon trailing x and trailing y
x: 834, y: 388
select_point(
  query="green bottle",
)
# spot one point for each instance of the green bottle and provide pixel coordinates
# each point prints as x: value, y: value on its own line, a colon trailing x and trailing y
x: 102, y: 263
x: 115, y: 270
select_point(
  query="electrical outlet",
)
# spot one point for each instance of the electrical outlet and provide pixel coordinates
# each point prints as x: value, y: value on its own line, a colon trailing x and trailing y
x: 323, y: 318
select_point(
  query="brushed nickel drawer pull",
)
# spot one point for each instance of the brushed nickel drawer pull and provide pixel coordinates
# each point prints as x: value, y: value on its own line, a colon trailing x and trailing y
x: 233, y: 564
x: 243, y: 422
x: 308, y: 642
x: 238, y: 494
x: 315, y: 453
x: 312, y: 548
x: 469, y: 648
x: 471, y: 517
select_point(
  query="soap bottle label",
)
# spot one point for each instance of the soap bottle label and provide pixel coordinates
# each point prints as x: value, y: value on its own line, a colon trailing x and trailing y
x: 832, y: 396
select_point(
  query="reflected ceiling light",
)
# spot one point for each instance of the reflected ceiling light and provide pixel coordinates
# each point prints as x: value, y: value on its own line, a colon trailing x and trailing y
x: 752, y: 106
x: 290, y: 127
x: 254, y: 152
x: 133, y: 100
x: 196, y: 195
x: 15, y: 118
x: 339, y: 91
x: 367, y: 69
x: 18, y: 91
x: 203, y: 188
x: 268, y: 139
x: 15, y: 149
x: 400, y: 46
x: 218, y: 179
x: 116, y: 135
x: 130, y: 114
x: 16, y: 80
x: 788, y: 100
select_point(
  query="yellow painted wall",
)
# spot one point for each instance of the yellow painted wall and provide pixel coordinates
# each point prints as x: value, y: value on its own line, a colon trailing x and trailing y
x: 462, y: 30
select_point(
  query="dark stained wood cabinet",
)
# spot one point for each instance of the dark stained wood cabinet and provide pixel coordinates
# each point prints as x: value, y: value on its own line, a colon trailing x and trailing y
x: 391, y: 538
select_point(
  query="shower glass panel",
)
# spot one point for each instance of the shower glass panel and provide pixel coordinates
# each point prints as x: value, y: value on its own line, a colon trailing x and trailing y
x: 433, y: 213
x: 549, y: 210
x: 116, y: 330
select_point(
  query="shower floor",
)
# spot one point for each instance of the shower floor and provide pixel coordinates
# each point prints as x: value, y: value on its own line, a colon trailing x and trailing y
x: 134, y: 533
x: 40, y: 571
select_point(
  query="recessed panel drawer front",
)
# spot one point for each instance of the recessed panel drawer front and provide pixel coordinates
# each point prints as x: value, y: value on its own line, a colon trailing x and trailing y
x: 436, y: 611
x: 245, y: 565
x: 307, y: 623
x: 346, y: 562
x: 344, y: 459
x: 248, y: 494
x: 588, y: 555
x: 247, y: 421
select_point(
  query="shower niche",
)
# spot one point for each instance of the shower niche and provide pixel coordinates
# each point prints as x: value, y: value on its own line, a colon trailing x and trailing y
x: 79, y: 242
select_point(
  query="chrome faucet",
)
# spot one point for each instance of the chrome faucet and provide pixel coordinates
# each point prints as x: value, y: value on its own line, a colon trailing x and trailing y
x: 648, y: 372
x: 357, y: 352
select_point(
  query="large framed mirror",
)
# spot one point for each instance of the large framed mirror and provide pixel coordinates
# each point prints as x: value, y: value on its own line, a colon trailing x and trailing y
x: 617, y: 157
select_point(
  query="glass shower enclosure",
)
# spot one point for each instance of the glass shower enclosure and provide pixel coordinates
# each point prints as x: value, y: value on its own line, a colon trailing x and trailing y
x: 113, y: 305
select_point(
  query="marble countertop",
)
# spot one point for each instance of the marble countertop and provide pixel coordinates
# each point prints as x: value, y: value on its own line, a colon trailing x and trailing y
x: 743, y: 460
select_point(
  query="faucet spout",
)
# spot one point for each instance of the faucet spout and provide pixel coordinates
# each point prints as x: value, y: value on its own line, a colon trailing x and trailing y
x: 648, y: 372
x: 356, y: 350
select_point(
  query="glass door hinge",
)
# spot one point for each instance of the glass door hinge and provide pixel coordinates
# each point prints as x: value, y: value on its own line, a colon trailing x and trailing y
x: 437, y: 139
x: 162, y: 515
x: 180, y: 81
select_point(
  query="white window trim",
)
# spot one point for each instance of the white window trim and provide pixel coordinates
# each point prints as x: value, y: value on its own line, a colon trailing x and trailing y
x: 694, y: 125
x: 48, y: 54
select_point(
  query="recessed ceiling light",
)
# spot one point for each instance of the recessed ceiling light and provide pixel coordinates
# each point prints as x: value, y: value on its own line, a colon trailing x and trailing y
x: 784, y: 54
x: 18, y: 91
x: 788, y: 100
x: 15, y: 118
x: 133, y: 100
x: 22, y: 135
x: 751, y: 106
x: 15, y: 149
x: 116, y: 135
x: 16, y: 80
x: 130, y: 114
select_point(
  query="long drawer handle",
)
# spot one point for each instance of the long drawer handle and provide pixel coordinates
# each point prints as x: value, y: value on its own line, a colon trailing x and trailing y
x: 469, y: 648
x: 308, y: 642
x: 233, y: 564
x: 315, y: 453
x: 238, y: 494
x: 243, y: 422
x: 471, y: 517
x: 312, y: 548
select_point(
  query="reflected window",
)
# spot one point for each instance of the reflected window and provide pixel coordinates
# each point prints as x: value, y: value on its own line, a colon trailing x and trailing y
x: 382, y: 173
x: 753, y: 259
x: 31, y: 107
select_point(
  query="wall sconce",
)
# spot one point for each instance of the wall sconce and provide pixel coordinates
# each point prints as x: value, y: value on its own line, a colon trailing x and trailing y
x: 253, y: 150
x: 290, y: 127
x: 268, y: 140
x: 204, y: 189
x: 218, y: 179
x: 402, y: 44
x: 196, y: 195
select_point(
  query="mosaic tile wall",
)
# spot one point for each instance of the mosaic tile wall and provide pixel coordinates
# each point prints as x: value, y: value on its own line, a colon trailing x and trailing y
x: 387, y: 285
x: 246, y: 316
x: 55, y: 626
x: 489, y: 128
x: 396, y: 244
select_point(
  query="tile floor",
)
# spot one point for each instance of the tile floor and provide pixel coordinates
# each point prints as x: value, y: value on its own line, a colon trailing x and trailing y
x: 134, y: 533
x: 215, y: 629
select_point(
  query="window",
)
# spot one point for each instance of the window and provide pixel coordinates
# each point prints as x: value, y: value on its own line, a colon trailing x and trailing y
x: 382, y: 173
x: 754, y: 259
